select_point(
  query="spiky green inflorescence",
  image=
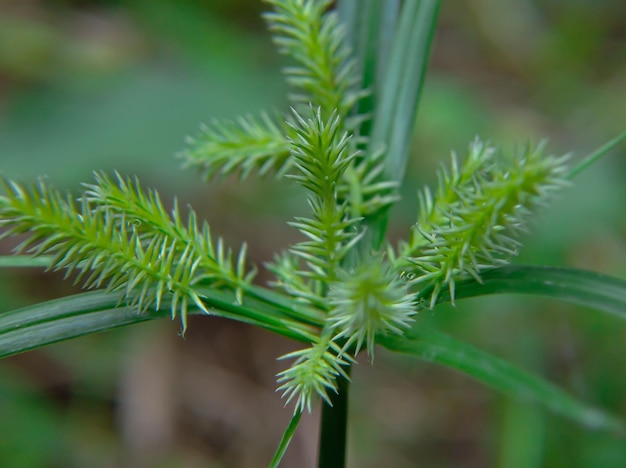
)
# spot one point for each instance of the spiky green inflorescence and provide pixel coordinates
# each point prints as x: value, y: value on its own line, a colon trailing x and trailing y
x: 290, y: 278
x: 126, y: 198
x: 325, y: 74
x: 364, y: 188
x: 321, y: 155
x: 314, y: 372
x: 374, y: 301
x: 477, y: 214
x: 369, y: 300
x: 119, y: 238
x: 242, y: 146
x: 326, y: 77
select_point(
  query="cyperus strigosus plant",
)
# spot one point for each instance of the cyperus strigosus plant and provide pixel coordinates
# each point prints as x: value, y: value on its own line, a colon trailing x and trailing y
x: 356, y: 75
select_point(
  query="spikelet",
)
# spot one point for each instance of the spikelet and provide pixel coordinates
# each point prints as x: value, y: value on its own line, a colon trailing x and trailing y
x: 474, y: 220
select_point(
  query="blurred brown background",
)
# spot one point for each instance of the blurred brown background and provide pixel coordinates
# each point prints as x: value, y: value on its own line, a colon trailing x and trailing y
x: 101, y: 85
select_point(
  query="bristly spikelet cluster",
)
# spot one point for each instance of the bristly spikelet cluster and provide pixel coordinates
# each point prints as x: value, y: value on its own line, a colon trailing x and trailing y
x: 321, y: 155
x: 243, y: 146
x: 122, y: 239
x: 126, y: 198
x: 324, y: 73
x: 364, y: 188
x: 479, y: 210
x: 313, y: 373
x: 369, y: 300
x: 324, y: 76
x: 343, y: 185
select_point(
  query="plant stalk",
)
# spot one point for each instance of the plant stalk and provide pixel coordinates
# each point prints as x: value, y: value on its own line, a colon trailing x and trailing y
x: 334, y: 427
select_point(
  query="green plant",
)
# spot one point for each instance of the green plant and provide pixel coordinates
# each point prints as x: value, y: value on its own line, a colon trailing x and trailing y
x: 342, y: 288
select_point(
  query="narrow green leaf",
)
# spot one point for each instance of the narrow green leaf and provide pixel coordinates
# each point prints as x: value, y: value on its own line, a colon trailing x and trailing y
x: 402, y: 84
x: 24, y: 261
x: 370, y: 26
x: 286, y: 439
x: 262, y: 314
x: 60, y: 319
x: 56, y: 309
x: 436, y: 347
x: 580, y: 287
x: 596, y: 155
x: 91, y: 312
x: 397, y: 100
x: 522, y: 436
x: 291, y: 308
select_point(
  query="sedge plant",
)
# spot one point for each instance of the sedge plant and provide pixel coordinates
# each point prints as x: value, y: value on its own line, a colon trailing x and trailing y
x: 355, y: 75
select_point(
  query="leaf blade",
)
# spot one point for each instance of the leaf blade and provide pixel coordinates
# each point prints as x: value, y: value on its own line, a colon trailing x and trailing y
x: 286, y: 439
x: 402, y: 84
x: 397, y: 100
x: 24, y: 261
x: 579, y: 287
x: 436, y: 347
x: 596, y: 155
x: 97, y: 311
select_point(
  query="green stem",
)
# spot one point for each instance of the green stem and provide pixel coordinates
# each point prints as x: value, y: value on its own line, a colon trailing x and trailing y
x: 334, y: 427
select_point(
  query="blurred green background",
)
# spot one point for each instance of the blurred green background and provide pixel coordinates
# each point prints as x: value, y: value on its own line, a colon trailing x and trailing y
x: 116, y: 85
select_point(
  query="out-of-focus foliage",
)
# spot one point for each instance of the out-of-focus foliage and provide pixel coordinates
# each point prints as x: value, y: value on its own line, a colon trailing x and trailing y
x: 105, y: 85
